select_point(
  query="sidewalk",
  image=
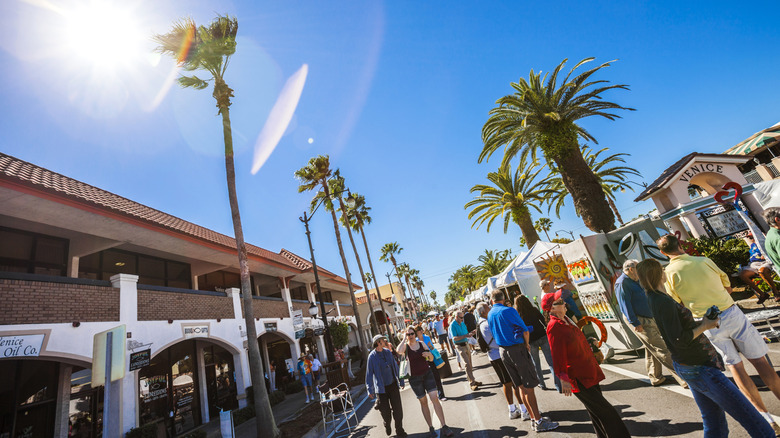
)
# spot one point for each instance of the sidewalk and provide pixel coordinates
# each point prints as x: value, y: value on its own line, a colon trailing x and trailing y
x: 283, y: 411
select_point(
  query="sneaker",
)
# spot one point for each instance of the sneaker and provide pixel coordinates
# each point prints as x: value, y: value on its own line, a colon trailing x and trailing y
x: 525, y: 416
x: 544, y: 425
x: 446, y: 431
x: 307, y: 400
x: 474, y: 387
x: 659, y: 382
x: 443, y: 398
x: 776, y: 428
x: 388, y: 430
x: 514, y: 414
x: 432, y: 432
x: 478, y: 383
x: 401, y: 434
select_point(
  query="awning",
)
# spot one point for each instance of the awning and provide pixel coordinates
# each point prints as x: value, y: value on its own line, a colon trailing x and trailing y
x: 756, y: 141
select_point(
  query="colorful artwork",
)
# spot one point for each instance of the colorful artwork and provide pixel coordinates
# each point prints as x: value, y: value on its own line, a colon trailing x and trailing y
x: 552, y: 268
x: 581, y: 271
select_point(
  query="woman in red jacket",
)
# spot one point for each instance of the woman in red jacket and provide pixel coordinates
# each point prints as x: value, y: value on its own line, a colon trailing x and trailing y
x: 578, y: 370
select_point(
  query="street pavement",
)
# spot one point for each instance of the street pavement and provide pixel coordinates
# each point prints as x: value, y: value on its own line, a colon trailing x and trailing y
x: 665, y: 411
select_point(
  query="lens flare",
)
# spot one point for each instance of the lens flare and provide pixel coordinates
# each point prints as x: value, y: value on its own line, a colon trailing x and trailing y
x: 279, y: 118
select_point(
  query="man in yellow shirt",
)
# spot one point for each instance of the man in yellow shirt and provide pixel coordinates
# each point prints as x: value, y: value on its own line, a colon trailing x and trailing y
x: 698, y: 284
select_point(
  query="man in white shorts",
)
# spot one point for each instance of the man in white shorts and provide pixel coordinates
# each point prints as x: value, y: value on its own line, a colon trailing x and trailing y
x: 698, y: 284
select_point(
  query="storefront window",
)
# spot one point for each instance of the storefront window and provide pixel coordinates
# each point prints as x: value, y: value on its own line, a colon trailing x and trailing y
x: 220, y: 380
x: 85, y: 414
x: 27, y: 398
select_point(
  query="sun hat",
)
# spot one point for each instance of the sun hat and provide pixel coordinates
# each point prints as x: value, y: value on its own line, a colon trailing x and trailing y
x: 376, y: 339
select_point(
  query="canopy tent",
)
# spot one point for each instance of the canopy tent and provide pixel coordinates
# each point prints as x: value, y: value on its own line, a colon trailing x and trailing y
x: 768, y: 193
x: 523, y: 272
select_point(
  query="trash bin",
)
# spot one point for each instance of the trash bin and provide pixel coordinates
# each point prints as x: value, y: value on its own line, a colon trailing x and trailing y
x: 445, y: 371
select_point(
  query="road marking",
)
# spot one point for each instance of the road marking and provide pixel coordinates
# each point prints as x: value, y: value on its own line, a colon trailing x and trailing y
x: 354, y: 414
x: 475, y: 419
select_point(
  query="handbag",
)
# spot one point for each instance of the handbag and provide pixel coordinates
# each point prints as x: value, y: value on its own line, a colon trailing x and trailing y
x: 403, y: 370
x: 437, y: 359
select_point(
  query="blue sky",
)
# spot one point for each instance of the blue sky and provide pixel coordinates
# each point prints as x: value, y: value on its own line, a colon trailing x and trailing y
x: 397, y: 93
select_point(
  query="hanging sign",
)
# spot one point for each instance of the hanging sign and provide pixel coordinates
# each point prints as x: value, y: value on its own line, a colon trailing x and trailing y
x: 140, y: 359
x: 297, y: 317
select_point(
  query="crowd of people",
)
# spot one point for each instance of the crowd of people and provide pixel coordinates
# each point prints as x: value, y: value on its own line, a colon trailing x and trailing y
x: 682, y: 313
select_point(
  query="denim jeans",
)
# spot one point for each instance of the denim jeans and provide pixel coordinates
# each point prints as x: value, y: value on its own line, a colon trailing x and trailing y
x: 543, y: 344
x: 714, y: 394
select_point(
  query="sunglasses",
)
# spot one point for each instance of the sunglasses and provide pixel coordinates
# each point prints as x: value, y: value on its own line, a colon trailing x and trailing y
x: 409, y: 333
x: 558, y: 303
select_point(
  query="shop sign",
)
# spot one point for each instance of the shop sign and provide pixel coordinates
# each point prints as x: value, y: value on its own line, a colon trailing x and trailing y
x: 297, y: 317
x: 154, y: 388
x: 21, y: 346
x: 270, y: 327
x: 701, y: 167
x: 140, y: 359
x: 319, y: 331
x: 195, y: 331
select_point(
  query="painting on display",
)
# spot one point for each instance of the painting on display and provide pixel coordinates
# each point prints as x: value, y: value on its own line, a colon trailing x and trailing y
x: 552, y: 268
x: 581, y: 271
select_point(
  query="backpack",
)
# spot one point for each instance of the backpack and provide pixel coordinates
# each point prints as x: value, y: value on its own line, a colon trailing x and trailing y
x: 483, y: 345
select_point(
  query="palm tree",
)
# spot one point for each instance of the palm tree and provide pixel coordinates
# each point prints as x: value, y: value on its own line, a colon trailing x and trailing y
x: 464, y: 280
x: 403, y: 271
x: 358, y: 218
x: 611, y: 179
x: 208, y: 49
x: 316, y: 174
x: 543, y: 224
x: 511, y: 198
x: 388, y: 253
x: 338, y: 188
x: 543, y: 116
x: 493, y: 262
x: 418, y: 284
x: 433, y: 296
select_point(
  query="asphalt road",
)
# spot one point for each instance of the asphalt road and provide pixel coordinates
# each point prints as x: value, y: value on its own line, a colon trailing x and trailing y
x: 665, y: 411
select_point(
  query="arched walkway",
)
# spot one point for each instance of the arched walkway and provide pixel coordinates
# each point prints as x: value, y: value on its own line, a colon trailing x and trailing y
x: 278, y: 348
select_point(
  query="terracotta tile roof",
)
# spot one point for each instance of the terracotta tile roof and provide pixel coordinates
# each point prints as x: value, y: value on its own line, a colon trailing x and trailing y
x: 297, y: 260
x: 22, y: 172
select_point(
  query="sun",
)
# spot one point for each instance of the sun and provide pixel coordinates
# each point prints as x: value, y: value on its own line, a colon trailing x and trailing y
x: 104, y: 34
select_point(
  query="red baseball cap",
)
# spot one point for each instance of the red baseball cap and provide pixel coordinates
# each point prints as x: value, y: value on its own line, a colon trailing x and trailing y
x: 549, y: 298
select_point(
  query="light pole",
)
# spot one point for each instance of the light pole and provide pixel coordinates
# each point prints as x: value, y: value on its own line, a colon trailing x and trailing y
x: 313, y: 309
x: 567, y: 232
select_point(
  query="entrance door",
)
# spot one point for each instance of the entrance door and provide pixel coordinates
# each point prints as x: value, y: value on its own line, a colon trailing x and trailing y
x: 85, y: 419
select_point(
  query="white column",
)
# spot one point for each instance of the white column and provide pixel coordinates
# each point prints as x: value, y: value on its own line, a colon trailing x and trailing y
x: 128, y: 297
x: 287, y: 298
x: 73, y: 267
x: 310, y: 293
x: 235, y: 293
x: 241, y: 361
x: 203, y: 387
x: 695, y: 226
x: 338, y: 308
x: 676, y: 225
x: 129, y: 406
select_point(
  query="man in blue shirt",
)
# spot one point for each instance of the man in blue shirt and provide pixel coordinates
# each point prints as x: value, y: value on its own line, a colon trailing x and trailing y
x: 382, y: 379
x: 460, y: 336
x: 633, y: 303
x: 511, y: 335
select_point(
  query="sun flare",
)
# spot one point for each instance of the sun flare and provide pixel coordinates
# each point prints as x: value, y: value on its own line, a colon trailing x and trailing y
x: 104, y: 34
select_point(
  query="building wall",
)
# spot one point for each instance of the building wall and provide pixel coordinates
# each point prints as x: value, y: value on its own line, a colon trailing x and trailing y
x: 154, y: 305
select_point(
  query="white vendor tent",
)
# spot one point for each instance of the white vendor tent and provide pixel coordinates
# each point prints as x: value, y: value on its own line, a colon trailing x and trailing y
x: 523, y: 272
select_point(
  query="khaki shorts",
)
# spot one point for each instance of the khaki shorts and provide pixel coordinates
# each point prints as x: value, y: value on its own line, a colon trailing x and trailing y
x: 736, y: 335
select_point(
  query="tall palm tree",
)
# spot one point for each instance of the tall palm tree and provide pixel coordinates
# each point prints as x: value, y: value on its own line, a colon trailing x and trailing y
x: 543, y: 224
x: 511, y: 197
x: 403, y: 271
x: 433, y: 296
x: 337, y: 186
x: 611, y: 178
x: 316, y: 174
x: 388, y: 253
x: 208, y: 49
x: 464, y: 280
x: 358, y: 218
x: 418, y: 284
x: 544, y: 116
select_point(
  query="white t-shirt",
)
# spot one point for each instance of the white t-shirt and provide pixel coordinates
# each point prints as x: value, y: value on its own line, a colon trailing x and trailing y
x: 315, y: 364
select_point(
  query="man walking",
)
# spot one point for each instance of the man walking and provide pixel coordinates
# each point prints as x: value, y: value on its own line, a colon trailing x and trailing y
x: 382, y: 379
x: 772, y: 243
x: 511, y: 335
x: 698, y: 284
x: 441, y: 333
x: 510, y: 390
x: 460, y: 334
x: 633, y: 303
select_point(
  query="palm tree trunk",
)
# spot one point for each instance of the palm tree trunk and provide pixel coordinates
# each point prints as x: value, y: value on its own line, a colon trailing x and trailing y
x: 615, y: 210
x: 400, y: 283
x: 526, y: 224
x: 372, y: 317
x: 546, y: 235
x: 376, y: 283
x: 586, y: 191
x: 266, y: 425
x: 414, y: 298
x: 358, y: 322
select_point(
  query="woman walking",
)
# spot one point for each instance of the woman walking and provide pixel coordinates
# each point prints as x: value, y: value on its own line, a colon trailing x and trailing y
x: 422, y: 380
x: 578, y: 370
x: 537, y: 338
x: 425, y: 339
x: 272, y: 374
x: 696, y: 360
